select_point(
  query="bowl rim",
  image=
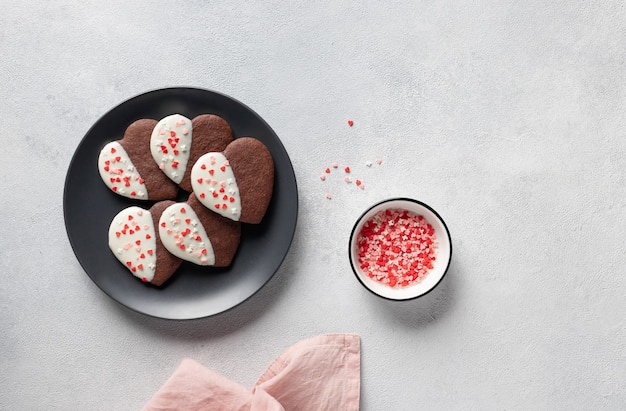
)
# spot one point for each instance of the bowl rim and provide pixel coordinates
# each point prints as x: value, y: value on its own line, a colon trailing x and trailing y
x: 360, y: 218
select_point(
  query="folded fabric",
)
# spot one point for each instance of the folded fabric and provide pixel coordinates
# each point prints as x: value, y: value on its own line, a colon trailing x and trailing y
x: 318, y: 374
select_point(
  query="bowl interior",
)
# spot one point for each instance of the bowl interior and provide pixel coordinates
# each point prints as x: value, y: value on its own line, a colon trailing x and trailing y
x: 440, y: 265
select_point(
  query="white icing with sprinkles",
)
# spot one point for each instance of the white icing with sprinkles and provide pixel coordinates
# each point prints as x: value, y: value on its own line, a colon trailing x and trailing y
x: 119, y: 173
x: 214, y: 184
x: 169, y: 145
x: 183, y: 236
x: 132, y: 239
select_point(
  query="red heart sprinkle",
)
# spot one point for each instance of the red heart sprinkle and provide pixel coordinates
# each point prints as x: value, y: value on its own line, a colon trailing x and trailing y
x: 117, y: 234
x: 200, y: 180
x: 118, y: 158
x: 173, y: 145
x: 134, y: 269
x: 138, y: 242
x: 144, y: 279
x: 148, y: 236
x: 106, y: 168
x: 182, y: 210
x: 107, y: 162
x: 198, y: 238
x: 173, y: 133
x: 163, y: 224
x: 130, y: 217
x: 127, y: 184
x: 174, y: 164
x: 175, y: 152
x: 203, y: 166
x: 223, y: 168
x: 140, y: 266
x: 113, y: 150
x: 137, y: 228
x: 114, y: 188
x: 188, y: 220
x: 182, y: 246
x: 132, y: 232
x: 217, y: 206
x: 124, y: 231
x: 224, y: 206
x: 221, y: 189
x: 132, y: 193
x: 141, y: 180
x: 215, y: 195
x: 112, y: 180
x: 204, y: 251
x: 129, y: 263
x: 149, y: 252
x: 202, y: 195
x: 225, y: 197
x: 232, y: 199
x: 211, y: 171
x: 142, y: 255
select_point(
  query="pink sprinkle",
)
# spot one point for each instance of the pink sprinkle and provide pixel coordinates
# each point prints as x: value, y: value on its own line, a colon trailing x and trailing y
x: 169, y: 231
x: 177, y: 220
x: 161, y: 132
x: 146, y: 227
x: 335, y: 165
x: 212, y: 160
x: 140, y: 212
x: 185, y: 131
x: 322, y: 177
x: 203, y: 260
x: 127, y: 246
x: 226, y: 163
x: 397, y: 248
x: 138, y: 248
x: 379, y: 161
x: 161, y: 166
x: 199, y: 254
x: 347, y: 180
x: 222, y: 183
x: 180, y: 122
x: 361, y: 186
x: 328, y: 196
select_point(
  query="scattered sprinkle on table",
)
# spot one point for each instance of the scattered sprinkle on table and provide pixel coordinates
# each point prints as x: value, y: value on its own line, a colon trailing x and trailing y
x: 397, y: 248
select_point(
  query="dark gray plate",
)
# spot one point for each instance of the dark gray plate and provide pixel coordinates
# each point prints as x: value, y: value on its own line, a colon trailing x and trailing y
x: 193, y: 291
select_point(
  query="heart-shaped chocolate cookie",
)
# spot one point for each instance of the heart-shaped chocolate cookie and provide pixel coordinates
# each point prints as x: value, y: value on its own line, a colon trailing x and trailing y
x: 127, y: 168
x: 236, y: 183
x: 191, y: 232
x: 134, y: 241
x: 176, y: 143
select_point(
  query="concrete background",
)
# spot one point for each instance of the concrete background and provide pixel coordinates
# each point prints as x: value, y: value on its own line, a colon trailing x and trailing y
x: 507, y: 117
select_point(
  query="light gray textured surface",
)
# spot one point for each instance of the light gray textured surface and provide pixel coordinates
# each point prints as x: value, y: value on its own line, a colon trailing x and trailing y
x: 506, y: 117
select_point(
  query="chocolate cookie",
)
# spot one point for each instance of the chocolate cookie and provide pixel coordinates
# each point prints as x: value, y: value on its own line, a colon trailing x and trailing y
x: 127, y: 168
x: 176, y: 143
x: 134, y: 241
x: 191, y: 232
x: 237, y: 183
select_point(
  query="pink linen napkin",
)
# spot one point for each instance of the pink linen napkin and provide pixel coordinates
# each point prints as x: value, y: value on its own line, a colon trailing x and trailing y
x: 320, y: 373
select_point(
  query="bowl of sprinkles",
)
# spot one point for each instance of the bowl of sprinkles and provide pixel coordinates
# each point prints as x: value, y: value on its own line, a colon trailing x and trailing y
x: 400, y: 249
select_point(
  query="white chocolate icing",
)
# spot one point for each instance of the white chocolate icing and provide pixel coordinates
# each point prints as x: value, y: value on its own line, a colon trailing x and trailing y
x: 170, y: 143
x: 184, y: 236
x: 132, y: 239
x: 213, y: 182
x: 119, y: 173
